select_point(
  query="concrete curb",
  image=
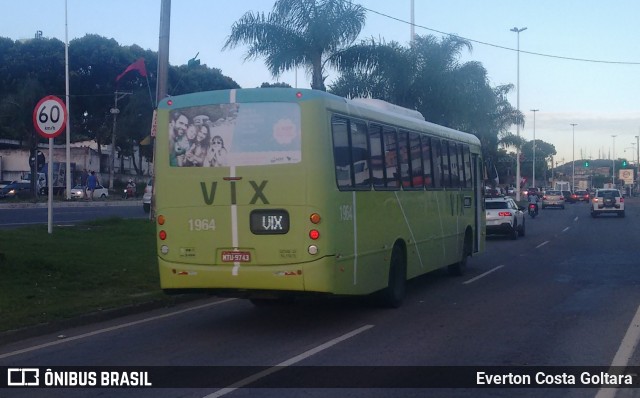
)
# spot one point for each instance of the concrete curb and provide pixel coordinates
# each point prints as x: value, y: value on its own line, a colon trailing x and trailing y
x: 72, y: 203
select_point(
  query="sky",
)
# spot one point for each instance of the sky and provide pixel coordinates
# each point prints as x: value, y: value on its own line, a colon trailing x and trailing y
x: 578, y: 63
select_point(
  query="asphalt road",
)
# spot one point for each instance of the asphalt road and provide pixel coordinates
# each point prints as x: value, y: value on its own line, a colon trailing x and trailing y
x: 566, y: 294
x: 65, y: 213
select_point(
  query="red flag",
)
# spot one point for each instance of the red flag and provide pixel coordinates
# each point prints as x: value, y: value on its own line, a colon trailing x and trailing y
x: 138, y: 65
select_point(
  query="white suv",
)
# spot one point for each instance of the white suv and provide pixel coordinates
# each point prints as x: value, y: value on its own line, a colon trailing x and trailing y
x: 504, y: 217
x: 607, y: 201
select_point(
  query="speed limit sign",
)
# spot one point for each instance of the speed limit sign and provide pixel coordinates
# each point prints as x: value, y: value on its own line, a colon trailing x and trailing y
x: 50, y: 116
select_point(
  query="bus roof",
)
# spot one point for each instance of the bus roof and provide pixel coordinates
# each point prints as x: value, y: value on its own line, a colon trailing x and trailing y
x: 364, y: 107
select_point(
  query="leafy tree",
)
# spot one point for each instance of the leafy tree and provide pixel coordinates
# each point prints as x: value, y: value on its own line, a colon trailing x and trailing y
x: 29, y: 71
x: 296, y: 33
x: 544, y: 153
x: 195, y: 77
x: 276, y: 85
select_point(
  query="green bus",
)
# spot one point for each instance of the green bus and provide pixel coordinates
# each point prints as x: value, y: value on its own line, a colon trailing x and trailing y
x: 273, y: 193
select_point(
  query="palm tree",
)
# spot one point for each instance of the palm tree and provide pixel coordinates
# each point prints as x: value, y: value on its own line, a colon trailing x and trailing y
x: 425, y: 76
x: 299, y: 33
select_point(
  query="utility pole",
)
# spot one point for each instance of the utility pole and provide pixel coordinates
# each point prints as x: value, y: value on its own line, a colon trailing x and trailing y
x: 114, y: 111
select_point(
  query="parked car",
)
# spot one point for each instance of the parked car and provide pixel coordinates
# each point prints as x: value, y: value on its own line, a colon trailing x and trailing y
x: 146, y: 197
x: 14, y: 189
x: 607, y: 201
x: 78, y: 191
x: 504, y: 217
x: 582, y: 196
x: 552, y: 198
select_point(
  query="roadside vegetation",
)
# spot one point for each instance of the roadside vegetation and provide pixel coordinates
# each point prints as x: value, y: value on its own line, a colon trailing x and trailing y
x: 76, y: 270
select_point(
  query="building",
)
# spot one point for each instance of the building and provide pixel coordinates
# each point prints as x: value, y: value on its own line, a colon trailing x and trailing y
x: 14, y: 160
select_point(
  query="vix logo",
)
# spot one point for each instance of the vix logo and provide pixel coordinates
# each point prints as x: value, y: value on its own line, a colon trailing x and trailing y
x: 272, y: 223
x: 209, y: 194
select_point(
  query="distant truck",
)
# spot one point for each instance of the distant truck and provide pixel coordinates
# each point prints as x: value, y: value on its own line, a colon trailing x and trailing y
x: 41, y: 180
x: 59, y: 177
x: 562, y: 186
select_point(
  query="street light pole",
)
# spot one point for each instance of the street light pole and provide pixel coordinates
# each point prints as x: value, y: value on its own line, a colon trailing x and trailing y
x: 613, y: 162
x: 534, y: 146
x: 573, y: 175
x: 114, y: 111
x: 516, y: 30
x: 637, y: 162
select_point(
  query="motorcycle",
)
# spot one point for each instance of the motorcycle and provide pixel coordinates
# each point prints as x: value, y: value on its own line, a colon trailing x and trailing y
x: 129, y: 193
x: 533, y: 210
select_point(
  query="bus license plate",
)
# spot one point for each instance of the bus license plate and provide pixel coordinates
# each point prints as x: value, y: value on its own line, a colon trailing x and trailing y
x: 236, y: 257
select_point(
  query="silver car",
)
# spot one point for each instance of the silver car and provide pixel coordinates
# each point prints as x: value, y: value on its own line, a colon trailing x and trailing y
x: 553, y: 198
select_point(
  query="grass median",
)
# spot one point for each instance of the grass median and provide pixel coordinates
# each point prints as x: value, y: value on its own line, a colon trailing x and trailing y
x: 76, y: 270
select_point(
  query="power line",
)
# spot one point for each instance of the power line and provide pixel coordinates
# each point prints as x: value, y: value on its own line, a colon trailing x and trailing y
x: 503, y: 47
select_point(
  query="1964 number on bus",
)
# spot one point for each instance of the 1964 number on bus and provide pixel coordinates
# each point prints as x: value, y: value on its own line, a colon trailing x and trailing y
x: 202, y: 224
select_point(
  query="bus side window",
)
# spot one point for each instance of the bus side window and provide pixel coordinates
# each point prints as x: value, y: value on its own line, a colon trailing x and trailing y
x: 341, y: 155
x: 466, y: 158
x: 453, y: 161
x: 377, y: 157
x: 437, y: 162
x: 360, y: 154
x: 426, y: 162
x: 415, y: 159
x: 391, y: 158
x: 446, y: 167
x: 403, y: 157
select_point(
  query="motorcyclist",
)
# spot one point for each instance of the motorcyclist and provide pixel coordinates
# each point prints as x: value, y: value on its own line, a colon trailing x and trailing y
x: 131, y: 188
x: 533, y: 199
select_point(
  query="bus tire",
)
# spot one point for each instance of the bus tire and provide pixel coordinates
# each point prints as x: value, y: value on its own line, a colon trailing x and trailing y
x: 393, y: 295
x: 459, y: 268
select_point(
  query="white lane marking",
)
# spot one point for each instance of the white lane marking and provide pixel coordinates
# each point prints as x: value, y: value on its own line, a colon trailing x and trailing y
x: 575, y: 219
x: 483, y: 275
x: 111, y: 329
x: 288, y: 362
x: 542, y: 244
x: 625, y: 351
x: 566, y: 229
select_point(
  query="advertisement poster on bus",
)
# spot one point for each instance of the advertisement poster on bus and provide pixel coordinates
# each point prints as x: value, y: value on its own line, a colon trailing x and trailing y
x: 225, y: 135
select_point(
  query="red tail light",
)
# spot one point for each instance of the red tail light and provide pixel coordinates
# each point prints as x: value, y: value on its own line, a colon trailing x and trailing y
x: 504, y: 214
x: 621, y: 199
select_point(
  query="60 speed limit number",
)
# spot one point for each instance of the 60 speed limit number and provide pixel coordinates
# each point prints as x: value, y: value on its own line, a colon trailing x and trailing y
x: 50, y: 116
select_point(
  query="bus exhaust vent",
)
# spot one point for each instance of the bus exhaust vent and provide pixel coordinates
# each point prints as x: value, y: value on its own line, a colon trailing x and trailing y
x: 387, y: 106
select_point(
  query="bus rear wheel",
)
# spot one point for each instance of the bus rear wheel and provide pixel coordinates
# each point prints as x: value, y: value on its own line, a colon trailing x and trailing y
x: 459, y: 268
x: 393, y: 295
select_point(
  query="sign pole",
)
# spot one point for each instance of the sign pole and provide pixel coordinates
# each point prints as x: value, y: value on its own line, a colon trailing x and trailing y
x: 50, y: 188
x: 49, y: 118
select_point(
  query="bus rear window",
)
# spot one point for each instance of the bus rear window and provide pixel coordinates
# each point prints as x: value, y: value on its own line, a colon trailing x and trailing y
x: 222, y: 135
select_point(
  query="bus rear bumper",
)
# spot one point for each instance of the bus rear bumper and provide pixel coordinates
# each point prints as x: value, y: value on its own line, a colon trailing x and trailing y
x: 242, y: 280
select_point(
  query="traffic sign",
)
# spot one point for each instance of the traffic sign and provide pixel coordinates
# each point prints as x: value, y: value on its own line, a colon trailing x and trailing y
x: 50, y: 116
